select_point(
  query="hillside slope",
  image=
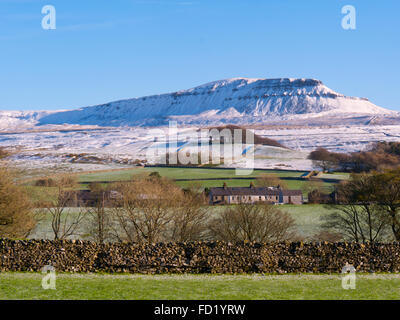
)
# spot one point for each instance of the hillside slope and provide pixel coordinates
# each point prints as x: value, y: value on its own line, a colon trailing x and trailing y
x: 235, y: 101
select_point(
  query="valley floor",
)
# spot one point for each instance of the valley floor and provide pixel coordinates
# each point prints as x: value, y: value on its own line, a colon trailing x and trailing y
x: 308, y: 217
x: 199, y: 287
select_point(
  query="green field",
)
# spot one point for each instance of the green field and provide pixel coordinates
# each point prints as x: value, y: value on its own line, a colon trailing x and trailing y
x: 292, y: 184
x: 199, y: 174
x: 307, y: 219
x: 41, y: 193
x: 198, y: 287
x: 179, y: 173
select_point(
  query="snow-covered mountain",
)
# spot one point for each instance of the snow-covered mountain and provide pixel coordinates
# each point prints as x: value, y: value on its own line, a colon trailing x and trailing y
x: 20, y: 119
x: 236, y: 100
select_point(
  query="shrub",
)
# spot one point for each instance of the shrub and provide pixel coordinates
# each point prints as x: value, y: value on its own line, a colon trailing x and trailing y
x: 45, y: 182
x: 261, y: 223
x: 16, y: 216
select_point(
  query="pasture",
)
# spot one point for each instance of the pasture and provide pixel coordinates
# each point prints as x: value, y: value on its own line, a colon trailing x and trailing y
x: 180, y: 173
x: 307, y: 219
x: 198, y: 287
x: 185, y: 177
x: 207, y: 178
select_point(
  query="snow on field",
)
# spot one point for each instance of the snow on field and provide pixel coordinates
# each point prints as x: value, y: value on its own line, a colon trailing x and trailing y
x: 337, y: 139
x: 106, y: 148
x: 119, y: 133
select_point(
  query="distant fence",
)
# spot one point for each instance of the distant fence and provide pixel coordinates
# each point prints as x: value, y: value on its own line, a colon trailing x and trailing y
x: 197, y: 257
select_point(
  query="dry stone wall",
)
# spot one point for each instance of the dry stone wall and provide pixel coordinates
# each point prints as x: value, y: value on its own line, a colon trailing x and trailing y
x: 197, y: 257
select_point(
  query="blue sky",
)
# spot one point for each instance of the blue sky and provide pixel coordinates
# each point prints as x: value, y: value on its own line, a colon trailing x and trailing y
x: 107, y: 50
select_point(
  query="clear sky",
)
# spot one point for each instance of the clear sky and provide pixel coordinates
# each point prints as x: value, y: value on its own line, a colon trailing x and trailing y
x: 102, y: 51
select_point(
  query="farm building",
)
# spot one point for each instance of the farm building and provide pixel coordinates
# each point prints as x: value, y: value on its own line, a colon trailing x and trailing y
x: 252, y: 194
x: 87, y: 198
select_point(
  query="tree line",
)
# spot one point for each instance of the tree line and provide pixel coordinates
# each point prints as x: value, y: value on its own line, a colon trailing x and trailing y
x: 145, y: 209
x: 154, y: 209
x: 382, y: 155
x: 368, y: 207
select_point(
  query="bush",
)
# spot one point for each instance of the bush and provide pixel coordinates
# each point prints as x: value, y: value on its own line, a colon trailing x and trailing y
x: 3, y: 153
x: 382, y: 155
x: 16, y: 217
x: 261, y: 223
x: 45, y: 182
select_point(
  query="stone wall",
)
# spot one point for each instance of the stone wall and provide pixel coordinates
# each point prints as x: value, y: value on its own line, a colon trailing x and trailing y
x: 198, y: 257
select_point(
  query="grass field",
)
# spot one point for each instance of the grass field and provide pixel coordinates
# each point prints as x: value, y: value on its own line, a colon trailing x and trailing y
x: 198, y: 287
x: 307, y: 219
x: 179, y: 173
x: 292, y: 184
x: 196, y: 173
x: 40, y: 193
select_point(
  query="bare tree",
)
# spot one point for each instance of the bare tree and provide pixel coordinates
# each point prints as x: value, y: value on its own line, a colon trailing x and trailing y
x: 322, y: 158
x: 261, y: 222
x: 312, y: 185
x: 16, y: 212
x: 270, y: 180
x: 64, y: 222
x: 144, y: 208
x: 357, y: 218
x: 99, y: 220
x: 189, y: 217
x: 386, y: 196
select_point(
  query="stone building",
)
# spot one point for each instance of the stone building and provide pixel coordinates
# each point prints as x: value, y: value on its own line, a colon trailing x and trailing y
x: 252, y: 194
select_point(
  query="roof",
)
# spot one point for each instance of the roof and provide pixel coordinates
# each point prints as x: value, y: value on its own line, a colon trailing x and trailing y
x: 236, y: 191
x: 292, y: 193
x: 253, y: 191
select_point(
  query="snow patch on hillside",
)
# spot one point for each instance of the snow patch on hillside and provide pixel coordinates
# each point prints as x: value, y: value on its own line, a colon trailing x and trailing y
x: 116, y: 147
x: 236, y: 100
x: 20, y: 119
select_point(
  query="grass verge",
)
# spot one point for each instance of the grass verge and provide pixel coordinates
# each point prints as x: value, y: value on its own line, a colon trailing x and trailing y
x: 198, y: 287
